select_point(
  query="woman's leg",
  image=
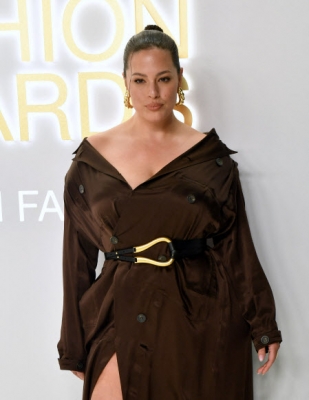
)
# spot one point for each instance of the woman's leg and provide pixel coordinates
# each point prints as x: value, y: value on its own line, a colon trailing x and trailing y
x: 108, y: 385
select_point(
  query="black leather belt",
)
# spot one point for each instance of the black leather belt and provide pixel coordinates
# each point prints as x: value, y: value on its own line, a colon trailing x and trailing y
x: 178, y: 249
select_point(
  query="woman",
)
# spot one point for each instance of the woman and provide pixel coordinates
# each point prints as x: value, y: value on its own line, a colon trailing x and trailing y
x: 178, y: 324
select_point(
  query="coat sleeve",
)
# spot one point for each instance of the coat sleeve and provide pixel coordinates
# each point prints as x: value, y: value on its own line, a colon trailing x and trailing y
x: 80, y: 255
x: 246, y: 276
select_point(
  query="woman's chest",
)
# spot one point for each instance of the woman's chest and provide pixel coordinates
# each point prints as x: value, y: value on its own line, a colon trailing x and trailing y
x: 179, y: 200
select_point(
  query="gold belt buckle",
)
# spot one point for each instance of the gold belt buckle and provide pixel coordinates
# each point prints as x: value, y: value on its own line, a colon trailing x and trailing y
x: 139, y: 249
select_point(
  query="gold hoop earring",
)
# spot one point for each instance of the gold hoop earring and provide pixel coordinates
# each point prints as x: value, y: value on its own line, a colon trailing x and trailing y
x: 181, y: 96
x: 126, y: 100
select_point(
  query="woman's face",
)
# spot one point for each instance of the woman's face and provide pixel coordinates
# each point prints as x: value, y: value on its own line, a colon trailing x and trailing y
x: 153, y: 81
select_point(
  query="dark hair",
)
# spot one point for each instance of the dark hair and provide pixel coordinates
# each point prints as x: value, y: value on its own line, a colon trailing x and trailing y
x: 152, y: 36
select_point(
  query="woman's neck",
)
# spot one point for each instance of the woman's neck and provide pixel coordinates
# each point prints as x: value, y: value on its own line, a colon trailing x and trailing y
x: 152, y: 130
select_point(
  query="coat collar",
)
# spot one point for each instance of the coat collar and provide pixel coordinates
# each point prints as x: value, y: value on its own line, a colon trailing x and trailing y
x: 209, y: 148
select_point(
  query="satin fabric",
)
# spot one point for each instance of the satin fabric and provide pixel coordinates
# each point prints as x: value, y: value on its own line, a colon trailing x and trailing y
x: 180, y: 332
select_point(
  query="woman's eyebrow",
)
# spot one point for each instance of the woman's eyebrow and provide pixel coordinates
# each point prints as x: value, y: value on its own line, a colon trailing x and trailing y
x: 160, y: 73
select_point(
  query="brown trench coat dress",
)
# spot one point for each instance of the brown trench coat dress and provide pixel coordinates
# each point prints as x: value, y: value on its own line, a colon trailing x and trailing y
x: 179, y: 332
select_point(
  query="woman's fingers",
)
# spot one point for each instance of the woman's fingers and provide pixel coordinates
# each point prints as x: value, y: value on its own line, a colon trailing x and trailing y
x: 261, y: 354
x: 272, y: 355
x: 80, y: 375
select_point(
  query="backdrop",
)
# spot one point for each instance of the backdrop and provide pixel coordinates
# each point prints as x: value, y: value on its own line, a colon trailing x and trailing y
x: 246, y: 67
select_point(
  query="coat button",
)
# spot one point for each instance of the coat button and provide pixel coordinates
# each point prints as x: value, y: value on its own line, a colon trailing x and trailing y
x: 265, y: 339
x: 81, y: 189
x: 219, y: 162
x: 141, y: 318
x: 191, y: 198
x: 80, y: 366
x: 162, y: 258
x: 114, y: 240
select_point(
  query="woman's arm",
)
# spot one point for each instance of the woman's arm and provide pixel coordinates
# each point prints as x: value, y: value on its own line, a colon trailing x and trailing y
x: 247, y: 278
x: 80, y: 255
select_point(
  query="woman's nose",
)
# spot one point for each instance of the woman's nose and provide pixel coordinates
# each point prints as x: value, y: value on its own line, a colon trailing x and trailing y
x: 153, y: 90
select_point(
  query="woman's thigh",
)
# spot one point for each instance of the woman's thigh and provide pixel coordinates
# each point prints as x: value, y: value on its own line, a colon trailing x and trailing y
x: 108, y: 385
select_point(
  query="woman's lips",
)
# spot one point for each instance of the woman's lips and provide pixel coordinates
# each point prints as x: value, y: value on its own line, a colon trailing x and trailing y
x: 154, y: 106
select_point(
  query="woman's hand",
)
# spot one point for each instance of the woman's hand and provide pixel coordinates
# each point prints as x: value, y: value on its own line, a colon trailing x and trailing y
x: 272, y: 355
x: 80, y: 375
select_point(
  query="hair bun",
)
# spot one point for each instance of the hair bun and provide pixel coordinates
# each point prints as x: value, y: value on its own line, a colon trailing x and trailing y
x: 153, y: 28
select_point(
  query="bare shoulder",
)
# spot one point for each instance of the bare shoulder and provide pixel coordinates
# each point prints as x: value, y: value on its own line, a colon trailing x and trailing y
x: 191, y: 135
x: 106, y: 138
x: 188, y: 130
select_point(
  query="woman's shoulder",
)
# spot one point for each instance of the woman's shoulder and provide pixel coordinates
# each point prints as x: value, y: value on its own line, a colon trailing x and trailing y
x: 106, y: 136
x: 189, y: 130
x: 189, y: 136
x: 107, y: 140
x: 91, y: 150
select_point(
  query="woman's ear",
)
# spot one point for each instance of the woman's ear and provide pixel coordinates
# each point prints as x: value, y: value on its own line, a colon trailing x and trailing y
x: 180, y: 75
x: 125, y: 81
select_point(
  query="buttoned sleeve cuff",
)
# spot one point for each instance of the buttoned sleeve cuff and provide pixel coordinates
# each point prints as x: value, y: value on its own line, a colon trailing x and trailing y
x: 267, y: 338
x: 71, y: 365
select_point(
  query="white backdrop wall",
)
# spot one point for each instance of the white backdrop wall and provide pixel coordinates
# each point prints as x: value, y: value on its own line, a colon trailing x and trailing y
x: 246, y: 66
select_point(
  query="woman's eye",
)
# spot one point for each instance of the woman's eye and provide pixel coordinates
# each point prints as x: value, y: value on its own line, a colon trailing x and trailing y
x: 165, y: 79
x: 139, y: 80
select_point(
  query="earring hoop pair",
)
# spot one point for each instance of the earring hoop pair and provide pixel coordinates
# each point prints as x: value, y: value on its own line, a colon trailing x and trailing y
x: 181, y: 97
x: 127, y: 99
